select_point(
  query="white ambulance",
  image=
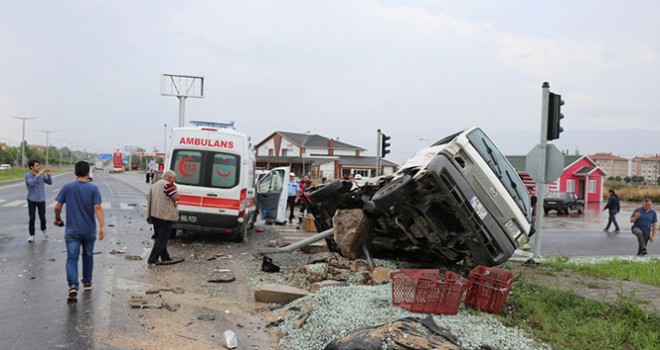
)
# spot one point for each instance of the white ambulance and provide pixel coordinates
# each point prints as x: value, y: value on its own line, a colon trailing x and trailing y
x: 214, y: 165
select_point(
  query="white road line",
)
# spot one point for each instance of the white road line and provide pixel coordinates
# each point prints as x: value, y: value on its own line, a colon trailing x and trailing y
x: 125, y: 206
x: 106, y: 205
x: 2, y: 200
x: 16, y: 203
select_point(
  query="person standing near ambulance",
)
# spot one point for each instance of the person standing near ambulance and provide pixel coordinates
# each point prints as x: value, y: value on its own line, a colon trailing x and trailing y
x: 294, y: 188
x: 162, y: 212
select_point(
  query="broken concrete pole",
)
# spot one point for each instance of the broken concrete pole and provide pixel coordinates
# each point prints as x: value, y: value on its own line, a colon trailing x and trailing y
x: 351, y: 229
x: 278, y: 293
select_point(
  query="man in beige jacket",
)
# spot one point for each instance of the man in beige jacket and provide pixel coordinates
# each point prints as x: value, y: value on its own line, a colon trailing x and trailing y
x: 162, y: 211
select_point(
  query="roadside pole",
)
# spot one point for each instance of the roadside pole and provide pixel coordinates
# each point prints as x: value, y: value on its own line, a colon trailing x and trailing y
x: 542, y: 186
x: 378, y: 150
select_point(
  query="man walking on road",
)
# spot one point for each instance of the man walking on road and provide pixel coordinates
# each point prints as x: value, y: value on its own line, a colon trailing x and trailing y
x: 83, y: 203
x: 614, y: 207
x: 35, y: 180
x: 645, y: 221
x: 162, y: 213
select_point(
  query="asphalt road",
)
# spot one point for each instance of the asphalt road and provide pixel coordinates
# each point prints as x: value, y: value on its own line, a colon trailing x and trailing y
x: 582, y: 234
x: 35, y: 314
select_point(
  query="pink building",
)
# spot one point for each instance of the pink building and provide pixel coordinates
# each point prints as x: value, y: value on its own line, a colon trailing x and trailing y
x: 581, y: 175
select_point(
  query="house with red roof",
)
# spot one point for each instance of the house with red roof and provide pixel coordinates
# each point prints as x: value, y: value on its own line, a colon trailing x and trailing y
x: 317, y: 156
x: 580, y: 175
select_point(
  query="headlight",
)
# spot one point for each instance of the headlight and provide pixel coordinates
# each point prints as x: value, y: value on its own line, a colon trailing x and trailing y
x: 512, y: 229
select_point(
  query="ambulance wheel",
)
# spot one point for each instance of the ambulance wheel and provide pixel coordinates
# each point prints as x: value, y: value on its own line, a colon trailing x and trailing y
x: 241, y: 234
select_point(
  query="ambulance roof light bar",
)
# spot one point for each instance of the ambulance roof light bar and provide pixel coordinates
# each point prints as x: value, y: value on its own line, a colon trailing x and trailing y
x: 212, y: 124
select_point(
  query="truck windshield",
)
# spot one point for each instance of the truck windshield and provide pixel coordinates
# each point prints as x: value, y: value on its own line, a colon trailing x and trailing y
x: 501, y: 167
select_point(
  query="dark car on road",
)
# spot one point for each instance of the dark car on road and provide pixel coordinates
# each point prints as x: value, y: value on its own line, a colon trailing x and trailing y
x: 562, y: 202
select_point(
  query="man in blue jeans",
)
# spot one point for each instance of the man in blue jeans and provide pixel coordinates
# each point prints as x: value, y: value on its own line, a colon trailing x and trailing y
x: 83, y: 202
x: 644, y: 220
x: 35, y: 180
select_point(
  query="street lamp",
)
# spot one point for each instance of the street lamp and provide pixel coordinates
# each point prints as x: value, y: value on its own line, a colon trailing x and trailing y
x: 23, y: 143
x: 428, y: 142
x: 47, y: 143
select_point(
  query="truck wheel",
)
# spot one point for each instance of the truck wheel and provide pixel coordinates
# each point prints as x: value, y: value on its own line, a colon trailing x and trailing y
x: 326, y: 191
x: 393, y: 192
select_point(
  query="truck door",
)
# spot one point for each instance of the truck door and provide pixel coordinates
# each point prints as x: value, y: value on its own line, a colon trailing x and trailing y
x: 272, y: 195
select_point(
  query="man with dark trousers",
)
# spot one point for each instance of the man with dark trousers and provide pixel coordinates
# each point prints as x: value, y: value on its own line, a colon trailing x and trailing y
x: 614, y: 207
x: 293, y: 188
x: 162, y: 212
x: 36, y: 197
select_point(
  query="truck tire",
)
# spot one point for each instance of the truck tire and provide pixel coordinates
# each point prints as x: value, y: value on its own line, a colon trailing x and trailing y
x: 326, y: 191
x: 393, y: 192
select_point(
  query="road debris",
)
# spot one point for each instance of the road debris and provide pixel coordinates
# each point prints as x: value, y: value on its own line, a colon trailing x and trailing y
x: 206, y: 317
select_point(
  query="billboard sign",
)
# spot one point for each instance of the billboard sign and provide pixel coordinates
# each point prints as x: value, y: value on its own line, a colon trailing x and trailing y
x: 117, y: 161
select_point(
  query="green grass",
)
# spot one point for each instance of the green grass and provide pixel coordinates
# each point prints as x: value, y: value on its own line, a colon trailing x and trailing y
x: 19, y: 173
x: 12, y: 174
x: 646, y: 272
x: 568, y: 321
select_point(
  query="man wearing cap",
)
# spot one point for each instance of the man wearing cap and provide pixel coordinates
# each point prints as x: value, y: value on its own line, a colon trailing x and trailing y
x: 294, y: 187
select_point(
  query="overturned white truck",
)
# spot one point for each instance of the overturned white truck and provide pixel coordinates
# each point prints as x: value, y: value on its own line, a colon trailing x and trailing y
x: 458, y: 201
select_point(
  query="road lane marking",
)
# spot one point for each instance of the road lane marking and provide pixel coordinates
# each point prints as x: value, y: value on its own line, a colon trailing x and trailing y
x: 16, y: 203
x: 106, y: 205
x: 125, y: 206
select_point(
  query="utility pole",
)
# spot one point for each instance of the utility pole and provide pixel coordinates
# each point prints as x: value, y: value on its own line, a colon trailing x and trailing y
x: 23, y: 143
x: 48, y: 132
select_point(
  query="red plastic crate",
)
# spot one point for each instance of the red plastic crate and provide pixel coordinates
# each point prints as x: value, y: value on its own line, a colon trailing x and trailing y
x: 488, y: 288
x: 422, y: 291
x: 404, y: 283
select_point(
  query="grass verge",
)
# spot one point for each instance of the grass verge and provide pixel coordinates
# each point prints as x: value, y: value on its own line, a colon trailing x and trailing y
x: 647, y: 272
x: 568, y: 321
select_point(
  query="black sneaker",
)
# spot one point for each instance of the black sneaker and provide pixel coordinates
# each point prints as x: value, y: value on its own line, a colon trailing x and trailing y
x: 73, y: 292
x: 87, y: 286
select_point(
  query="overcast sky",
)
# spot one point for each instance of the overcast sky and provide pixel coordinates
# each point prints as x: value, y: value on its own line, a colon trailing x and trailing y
x: 415, y: 69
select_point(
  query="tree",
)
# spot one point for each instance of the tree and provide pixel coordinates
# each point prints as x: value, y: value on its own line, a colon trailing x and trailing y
x: 618, y: 178
x: 610, y: 178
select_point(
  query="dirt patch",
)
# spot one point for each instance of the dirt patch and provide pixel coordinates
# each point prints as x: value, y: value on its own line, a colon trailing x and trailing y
x: 186, y: 291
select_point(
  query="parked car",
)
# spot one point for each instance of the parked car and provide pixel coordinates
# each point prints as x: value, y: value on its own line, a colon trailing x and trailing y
x: 5, y: 166
x: 458, y: 201
x: 562, y: 202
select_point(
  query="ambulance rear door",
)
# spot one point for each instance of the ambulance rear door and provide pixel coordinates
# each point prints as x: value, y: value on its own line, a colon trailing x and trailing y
x: 272, y: 193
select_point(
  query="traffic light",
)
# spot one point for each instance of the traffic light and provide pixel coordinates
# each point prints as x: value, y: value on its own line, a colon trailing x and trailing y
x: 554, y: 116
x: 384, y: 145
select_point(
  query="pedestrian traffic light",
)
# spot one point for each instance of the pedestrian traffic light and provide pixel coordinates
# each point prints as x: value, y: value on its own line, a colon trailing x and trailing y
x: 384, y: 145
x: 554, y: 116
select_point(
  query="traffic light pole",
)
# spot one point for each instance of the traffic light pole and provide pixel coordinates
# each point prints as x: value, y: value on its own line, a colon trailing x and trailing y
x: 378, y: 150
x: 542, y: 186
